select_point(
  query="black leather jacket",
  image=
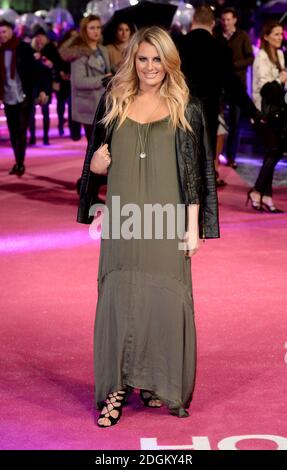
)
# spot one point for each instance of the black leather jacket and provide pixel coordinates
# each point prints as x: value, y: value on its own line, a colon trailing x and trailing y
x: 195, y: 165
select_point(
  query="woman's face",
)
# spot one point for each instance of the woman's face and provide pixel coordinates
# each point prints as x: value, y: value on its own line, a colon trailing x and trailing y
x: 123, y: 33
x: 149, y: 67
x: 94, y: 30
x: 275, y: 38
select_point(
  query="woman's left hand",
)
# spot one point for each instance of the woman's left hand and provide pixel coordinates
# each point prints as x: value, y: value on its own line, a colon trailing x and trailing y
x: 191, y: 241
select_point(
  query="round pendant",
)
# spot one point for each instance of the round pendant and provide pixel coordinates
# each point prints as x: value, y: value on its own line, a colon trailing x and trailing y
x: 142, y: 155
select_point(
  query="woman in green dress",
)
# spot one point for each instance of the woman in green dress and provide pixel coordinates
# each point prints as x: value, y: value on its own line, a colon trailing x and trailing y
x: 150, y: 137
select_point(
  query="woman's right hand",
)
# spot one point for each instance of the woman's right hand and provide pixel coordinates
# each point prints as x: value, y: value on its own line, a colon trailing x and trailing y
x: 101, y: 160
x: 283, y: 76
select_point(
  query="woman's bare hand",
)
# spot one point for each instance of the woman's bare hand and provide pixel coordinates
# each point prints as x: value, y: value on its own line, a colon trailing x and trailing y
x: 101, y: 160
x: 191, y: 241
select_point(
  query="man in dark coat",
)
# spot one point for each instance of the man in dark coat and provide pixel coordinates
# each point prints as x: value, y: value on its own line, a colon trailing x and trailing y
x: 45, y: 52
x: 240, y: 46
x: 207, y: 65
x: 18, y: 74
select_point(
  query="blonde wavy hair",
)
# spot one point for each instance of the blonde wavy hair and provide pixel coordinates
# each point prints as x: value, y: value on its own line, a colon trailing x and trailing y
x: 125, y: 84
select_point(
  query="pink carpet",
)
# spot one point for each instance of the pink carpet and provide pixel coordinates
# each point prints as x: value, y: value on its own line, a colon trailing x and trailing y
x: 48, y: 298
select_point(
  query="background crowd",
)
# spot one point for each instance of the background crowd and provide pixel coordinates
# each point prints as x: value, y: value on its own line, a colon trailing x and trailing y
x: 40, y: 60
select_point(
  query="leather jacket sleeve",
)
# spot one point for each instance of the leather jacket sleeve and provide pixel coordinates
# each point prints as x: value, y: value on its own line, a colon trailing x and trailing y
x: 196, y: 168
x: 87, y: 192
x: 208, y: 213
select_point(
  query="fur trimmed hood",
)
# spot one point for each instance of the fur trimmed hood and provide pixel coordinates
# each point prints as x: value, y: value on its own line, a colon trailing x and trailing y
x: 73, y: 49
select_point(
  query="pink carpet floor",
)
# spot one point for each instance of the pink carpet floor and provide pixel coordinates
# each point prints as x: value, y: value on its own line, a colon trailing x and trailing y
x: 48, y: 299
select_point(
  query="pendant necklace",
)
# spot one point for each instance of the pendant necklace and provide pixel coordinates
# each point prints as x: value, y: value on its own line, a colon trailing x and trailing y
x: 143, y: 140
x: 143, y: 143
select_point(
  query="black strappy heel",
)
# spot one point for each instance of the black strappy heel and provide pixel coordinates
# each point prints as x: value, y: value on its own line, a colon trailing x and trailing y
x: 257, y: 206
x: 112, y: 408
x: 148, y: 397
x: 274, y: 210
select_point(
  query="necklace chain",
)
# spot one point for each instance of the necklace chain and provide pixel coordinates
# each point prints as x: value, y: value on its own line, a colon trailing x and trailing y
x: 144, y: 140
x: 143, y: 143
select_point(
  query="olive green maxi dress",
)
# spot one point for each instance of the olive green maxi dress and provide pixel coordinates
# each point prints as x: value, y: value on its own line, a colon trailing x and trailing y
x: 144, y: 328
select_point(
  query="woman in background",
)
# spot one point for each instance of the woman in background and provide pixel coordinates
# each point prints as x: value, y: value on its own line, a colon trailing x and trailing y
x: 120, y: 41
x: 269, y: 79
x: 90, y: 69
